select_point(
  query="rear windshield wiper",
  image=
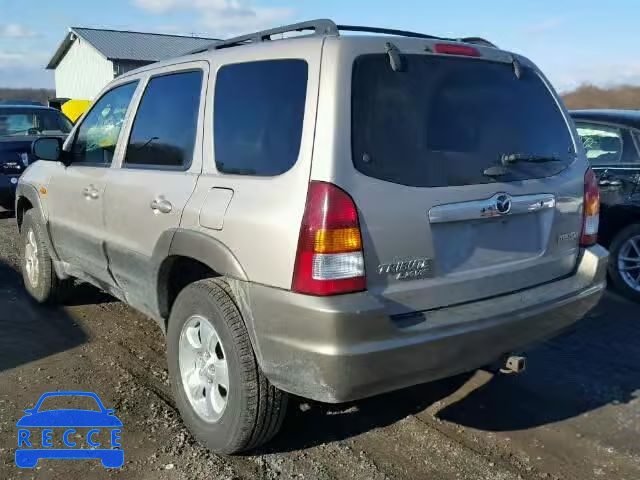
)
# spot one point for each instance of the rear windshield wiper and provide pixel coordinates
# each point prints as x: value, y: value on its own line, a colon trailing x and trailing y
x: 511, y: 158
x: 508, y: 159
x: 495, y: 171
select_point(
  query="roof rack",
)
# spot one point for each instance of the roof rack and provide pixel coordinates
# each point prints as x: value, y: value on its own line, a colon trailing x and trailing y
x: 325, y: 26
x: 319, y: 27
x: 386, y: 31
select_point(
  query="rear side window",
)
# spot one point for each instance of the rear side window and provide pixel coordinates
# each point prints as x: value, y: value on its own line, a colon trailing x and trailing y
x: 444, y: 121
x: 164, y: 130
x: 602, y: 143
x: 258, y: 116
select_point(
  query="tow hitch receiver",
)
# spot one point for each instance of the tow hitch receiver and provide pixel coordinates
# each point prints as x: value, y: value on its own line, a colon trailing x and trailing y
x: 514, y: 364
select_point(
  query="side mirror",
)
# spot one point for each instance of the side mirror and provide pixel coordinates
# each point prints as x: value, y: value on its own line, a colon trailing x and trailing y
x: 47, y: 148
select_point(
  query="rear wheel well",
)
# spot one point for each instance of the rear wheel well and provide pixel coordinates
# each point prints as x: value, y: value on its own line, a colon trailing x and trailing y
x: 22, y: 206
x: 175, y: 274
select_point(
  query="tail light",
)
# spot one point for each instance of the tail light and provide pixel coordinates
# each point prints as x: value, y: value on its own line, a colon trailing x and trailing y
x: 591, y: 210
x: 329, y: 260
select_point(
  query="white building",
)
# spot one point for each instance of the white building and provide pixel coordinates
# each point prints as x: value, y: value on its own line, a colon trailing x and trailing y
x: 89, y: 58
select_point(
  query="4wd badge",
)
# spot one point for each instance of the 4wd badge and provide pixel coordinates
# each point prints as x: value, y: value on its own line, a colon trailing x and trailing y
x: 409, y: 269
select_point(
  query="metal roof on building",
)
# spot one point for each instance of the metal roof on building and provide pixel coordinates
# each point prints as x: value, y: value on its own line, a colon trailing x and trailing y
x: 133, y: 46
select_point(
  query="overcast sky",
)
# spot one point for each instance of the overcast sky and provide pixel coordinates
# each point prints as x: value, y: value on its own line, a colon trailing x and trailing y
x: 572, y: 41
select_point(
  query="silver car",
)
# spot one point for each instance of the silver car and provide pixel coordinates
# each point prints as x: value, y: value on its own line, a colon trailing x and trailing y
x: 323, y: 215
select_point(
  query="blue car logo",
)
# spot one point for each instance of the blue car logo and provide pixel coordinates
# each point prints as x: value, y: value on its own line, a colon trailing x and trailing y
x: 59, y: 428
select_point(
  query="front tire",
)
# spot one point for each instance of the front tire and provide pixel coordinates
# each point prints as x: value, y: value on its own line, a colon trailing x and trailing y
x: 624, y: 262
x: 38, y: 274
x: 223, y: 397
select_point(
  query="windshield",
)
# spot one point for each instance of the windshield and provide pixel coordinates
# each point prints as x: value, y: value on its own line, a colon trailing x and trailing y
x: 443, y: 121
x: 17, y: 122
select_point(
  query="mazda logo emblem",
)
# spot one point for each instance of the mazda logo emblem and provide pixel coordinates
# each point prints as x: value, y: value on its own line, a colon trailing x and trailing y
x: 503, y: 204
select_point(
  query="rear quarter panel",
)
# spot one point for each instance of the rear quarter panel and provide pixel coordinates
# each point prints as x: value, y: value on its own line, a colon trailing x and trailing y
x: 261, y: 222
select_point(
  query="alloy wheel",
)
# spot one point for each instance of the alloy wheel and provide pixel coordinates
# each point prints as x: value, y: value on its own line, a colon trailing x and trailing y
x: 629, y: 262
x: 203, y: 368
x: 31, y: 261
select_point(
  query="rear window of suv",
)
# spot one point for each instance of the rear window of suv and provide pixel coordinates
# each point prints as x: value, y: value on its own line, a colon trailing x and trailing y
x: 443, y: 121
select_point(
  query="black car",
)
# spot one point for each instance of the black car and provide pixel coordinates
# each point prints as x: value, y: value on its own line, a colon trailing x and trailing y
x: 612, y: 141
x: 19, y: 126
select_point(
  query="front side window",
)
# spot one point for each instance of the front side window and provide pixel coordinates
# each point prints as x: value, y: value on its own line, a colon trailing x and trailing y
x: 97, y: 136
x: 602, y: 143
x: 164, y: 130
x: 445, y: 121
x: 258, y: 116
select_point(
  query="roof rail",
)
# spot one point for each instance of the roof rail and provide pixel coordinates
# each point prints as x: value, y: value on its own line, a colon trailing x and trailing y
x: 386, y: 31
x: 324, y: 26
x: 320, y: 27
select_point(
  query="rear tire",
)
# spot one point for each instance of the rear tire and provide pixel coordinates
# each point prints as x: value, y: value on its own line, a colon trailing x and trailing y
x: 246, y: 412
x: 38, y: 274
x: 625, y: 274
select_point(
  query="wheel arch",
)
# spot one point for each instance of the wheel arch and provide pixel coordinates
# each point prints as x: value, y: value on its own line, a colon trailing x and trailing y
x: 184, y: 256
x: 27, y: 198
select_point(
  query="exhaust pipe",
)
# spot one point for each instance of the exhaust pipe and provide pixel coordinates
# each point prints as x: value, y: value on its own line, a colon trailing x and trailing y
x: 514, y: 364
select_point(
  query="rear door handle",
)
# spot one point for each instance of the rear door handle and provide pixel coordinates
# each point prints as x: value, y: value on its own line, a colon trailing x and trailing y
x: 162, y: 205
x: 91, y: 192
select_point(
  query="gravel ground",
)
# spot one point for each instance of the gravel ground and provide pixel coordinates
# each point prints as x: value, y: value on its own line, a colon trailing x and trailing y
x: 575, y: 413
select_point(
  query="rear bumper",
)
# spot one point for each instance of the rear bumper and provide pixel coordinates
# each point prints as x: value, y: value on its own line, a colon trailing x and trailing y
x: 342, y: 348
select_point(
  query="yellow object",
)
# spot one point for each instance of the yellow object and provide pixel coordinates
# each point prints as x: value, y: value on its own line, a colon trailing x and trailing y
x: 337, y: 240
x: 43, y: 190
x: 74, y: 108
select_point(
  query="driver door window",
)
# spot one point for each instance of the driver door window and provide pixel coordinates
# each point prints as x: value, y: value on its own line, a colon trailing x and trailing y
x: 97, y: 136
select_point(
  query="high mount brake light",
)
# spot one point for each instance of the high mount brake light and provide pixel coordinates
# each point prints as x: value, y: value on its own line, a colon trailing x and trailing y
x: 453, y: 49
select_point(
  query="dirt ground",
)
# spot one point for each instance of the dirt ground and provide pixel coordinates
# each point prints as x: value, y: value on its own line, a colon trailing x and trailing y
x: 575, y: 413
